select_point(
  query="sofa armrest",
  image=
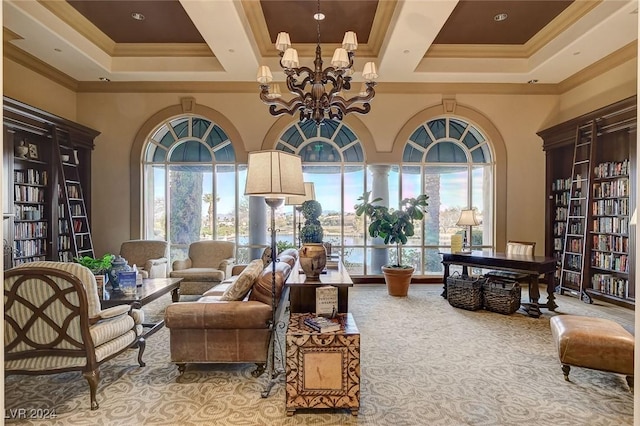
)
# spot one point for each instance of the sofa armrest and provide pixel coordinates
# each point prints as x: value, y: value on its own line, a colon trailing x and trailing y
x: 218, y: 315
x: 237, y: 269
x: 156, y: 268
x: 181, y: 264
x: 226, y: 265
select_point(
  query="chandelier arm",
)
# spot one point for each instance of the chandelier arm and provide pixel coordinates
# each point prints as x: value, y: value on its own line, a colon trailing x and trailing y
x: 365, y: 108
x: 289, y: 107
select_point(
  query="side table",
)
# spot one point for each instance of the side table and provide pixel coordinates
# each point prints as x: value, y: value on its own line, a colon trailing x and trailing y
x: 323, y: 369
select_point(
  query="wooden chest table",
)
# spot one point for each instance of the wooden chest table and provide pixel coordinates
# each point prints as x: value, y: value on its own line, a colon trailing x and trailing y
x: 323, y: 369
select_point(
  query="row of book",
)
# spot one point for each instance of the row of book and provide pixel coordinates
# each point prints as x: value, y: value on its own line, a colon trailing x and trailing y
x: 610, y: 284
x: 24, y: 248
x: 617, y: 188
x: 28, y: 194
x: 25, y: 230
x: 561, y: 184
x: 562, y: 198
x: 574, y: 245
x: 561, y: 213
x: 612, y: 169
x: 31, y: 177
x: 605, y: 242
x: 614, y: 206
x: 559, y: 228
x: 610, y: 261
x: 611, y: 225
x: 28, y: 212
x: 572, y: 261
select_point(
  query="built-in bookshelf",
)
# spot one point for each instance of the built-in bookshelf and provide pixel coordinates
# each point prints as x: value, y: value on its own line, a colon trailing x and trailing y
x: 610, y: 229
x: 560, y: 190
x: 47, y: 168
x: 605, y: 271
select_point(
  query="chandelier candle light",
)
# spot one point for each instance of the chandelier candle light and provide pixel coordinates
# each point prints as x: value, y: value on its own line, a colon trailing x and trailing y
x: 467, y: 218
x: 324, y: 99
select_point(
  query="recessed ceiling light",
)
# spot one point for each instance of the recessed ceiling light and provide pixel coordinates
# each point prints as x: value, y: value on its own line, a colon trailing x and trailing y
x: 104, y: 79
x: 137, y: 16
x: 500, y: 17
x: 406, y: 51
x: 533, y: 81
x: 318, y: 16
x: 57, y: 50
x: 576, y: 53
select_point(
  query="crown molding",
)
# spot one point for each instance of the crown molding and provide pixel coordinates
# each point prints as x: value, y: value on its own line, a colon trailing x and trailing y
x: 162, y: 49
x: 619, y: 57
x: 34, y: 64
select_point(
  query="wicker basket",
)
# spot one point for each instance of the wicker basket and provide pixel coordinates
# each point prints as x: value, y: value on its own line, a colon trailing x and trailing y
x: 464, y: 292
x: 502, y: 296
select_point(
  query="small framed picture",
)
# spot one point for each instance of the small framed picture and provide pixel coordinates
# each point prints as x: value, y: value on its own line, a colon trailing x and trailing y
x: 33, y: 151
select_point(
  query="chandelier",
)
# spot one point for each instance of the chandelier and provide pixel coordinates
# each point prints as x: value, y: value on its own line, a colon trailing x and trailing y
x: 325, y: 86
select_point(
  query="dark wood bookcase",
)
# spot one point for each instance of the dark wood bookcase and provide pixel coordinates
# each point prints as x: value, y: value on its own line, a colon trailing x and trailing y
x: 608, y: 270
x: 47, y: 196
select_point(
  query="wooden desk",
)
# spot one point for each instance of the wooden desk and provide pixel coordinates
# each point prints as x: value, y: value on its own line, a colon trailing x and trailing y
x: 532, y: 265
x: 302, y: 292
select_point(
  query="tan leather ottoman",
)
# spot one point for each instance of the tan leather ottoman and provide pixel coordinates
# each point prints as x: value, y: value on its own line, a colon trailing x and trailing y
x: 596, y: 343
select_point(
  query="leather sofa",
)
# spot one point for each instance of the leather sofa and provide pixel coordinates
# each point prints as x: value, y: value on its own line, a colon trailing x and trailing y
x: 227, y: 326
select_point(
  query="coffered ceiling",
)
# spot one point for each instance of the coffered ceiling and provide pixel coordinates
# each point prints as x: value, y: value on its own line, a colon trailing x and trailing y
x: 421, y: 41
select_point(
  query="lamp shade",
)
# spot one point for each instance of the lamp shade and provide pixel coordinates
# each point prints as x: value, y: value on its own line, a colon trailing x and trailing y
x: 264, y: 75
x: 309, y: 194
x: 370, y: 73
x: 350, y: 41
x: 290, y: 58
x: 274, y: 174
x: 467, y: 218
x: 340, y: 58
x: 283, y: 42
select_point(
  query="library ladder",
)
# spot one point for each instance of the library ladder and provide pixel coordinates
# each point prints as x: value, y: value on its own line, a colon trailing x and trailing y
x: 572, y: 273
x: 74, y: 233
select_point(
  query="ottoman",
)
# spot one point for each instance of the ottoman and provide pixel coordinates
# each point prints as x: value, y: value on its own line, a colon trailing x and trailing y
x: 595, y: 343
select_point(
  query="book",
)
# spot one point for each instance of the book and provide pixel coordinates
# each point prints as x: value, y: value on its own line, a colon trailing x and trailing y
x: 322, y: 324
x: 327, y: 301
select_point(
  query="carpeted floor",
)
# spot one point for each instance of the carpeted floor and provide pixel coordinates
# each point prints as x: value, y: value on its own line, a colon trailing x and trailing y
x: 423, y: 362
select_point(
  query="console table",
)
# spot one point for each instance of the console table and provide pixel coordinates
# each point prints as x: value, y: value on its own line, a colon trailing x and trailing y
x: 302, y: 291
x: 531, y: 265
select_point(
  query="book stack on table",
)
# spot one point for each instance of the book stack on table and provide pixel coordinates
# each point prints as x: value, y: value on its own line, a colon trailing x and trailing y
x: 322, y: 324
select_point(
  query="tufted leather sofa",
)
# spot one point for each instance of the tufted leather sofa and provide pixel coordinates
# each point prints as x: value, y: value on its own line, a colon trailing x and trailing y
x: 216, y: 330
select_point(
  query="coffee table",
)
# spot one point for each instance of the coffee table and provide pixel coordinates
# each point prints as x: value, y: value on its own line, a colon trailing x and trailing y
x: 151, y: 289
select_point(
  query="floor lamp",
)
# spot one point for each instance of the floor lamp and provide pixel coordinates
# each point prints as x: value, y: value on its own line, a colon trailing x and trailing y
x: 273, y: 175
x: 467, y: 218
x: 309, y: 194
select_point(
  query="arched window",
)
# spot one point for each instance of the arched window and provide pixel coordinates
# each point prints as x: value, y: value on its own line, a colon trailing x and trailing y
x: 333, y: 159
x: 450, y: 159
x: 190, y: 183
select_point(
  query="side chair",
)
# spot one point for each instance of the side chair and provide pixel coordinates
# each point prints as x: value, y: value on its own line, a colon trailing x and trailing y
x: 53, y: 323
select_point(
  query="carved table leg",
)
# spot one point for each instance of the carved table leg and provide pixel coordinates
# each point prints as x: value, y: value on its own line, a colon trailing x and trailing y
x: 444, y: 279
x: 142, y: 344
x: 175, y: 294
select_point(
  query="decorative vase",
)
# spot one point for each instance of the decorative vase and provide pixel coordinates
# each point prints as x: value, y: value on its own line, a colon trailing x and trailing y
x: 313, y: 259
x: 398, y: 280
x: 119, y: 264
x: 21, y: 150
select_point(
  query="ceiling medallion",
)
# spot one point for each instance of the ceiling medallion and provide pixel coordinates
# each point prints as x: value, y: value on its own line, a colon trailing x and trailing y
x: 324, y: 97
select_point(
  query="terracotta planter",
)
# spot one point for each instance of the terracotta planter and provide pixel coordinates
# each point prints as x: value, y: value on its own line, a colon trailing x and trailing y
x: 398, y: 280
x: 313, y: 259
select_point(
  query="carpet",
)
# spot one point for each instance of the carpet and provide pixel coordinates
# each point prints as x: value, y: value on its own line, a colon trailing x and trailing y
x: 423, y: 362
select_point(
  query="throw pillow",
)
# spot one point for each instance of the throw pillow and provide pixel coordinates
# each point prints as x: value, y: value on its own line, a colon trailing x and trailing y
x: 239, y: 289
x: 266, y: 256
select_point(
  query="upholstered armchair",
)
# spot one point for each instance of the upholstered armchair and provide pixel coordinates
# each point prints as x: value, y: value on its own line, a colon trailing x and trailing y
x: 208, y: 264
x: 53, y: 323
x: 151, y: 257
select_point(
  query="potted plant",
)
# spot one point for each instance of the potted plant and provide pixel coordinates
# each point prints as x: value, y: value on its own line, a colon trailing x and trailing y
x: 394, y: 227
x: 313, y: 257
x: 99, y: 265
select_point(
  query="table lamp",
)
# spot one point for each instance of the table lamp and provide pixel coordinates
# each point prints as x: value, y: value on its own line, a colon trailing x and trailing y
x: 467, y: 218
x: 296, y: 201
x: 273, y: 175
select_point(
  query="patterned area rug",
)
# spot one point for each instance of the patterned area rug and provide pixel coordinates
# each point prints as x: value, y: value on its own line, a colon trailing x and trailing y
x: 423, y: 362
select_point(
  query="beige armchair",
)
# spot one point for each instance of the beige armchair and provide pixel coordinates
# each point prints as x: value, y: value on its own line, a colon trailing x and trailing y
x: 151, y: 257
x: 53, y: 323
x: 209, y: 263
